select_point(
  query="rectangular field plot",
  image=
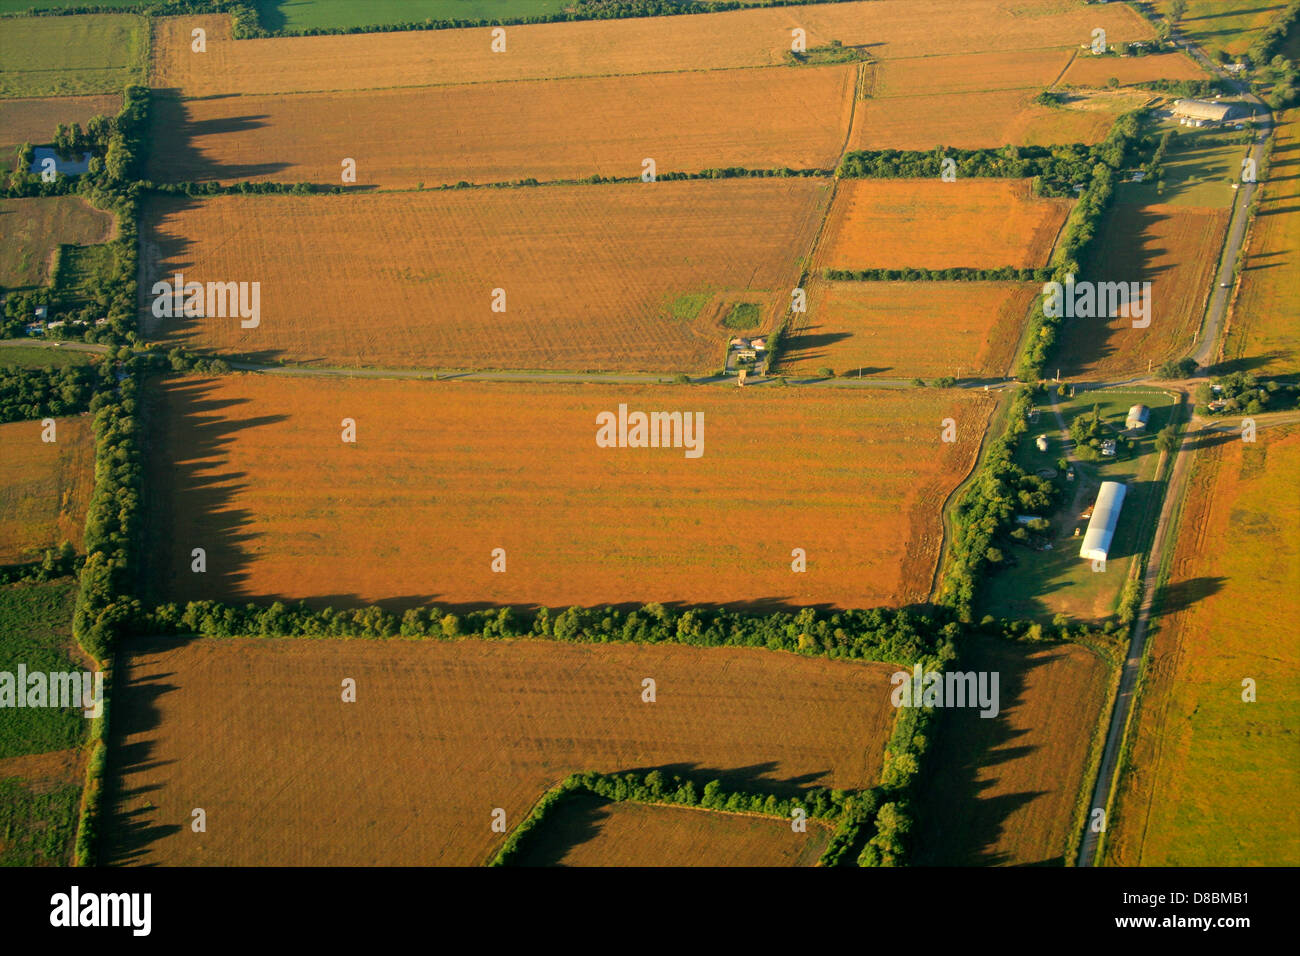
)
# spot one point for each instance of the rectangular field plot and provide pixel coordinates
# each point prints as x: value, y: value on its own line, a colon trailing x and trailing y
x: 444, y: 732
x: 34, y: 120
x: 1176, y: 249
x: 1009, y: 786
x: 906, y: 329
x: 44, y: 486
x: 1213, y: 780
x: 976, y: 120
x: 741, y: 38
x: 587, y: 830
x: 545, y: 130
x: 1263, y: 335
x: 634, y: 276
x: 929, y: 224
x: 65, y: 56
x: 31, y: 229
x: 253, y: 469
x: 1089, y: 70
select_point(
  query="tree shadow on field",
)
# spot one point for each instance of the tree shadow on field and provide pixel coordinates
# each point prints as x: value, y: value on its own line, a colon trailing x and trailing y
x: 1125, y: 251
x: 581, y: 817
x: 192, y: 493
x: 1183, y: 594
x: 166, y: 251
x: 811, y: 345
x: 962, y: 817
x: 131, y: 821
x: 1246, y: 363
x: 178, y: 153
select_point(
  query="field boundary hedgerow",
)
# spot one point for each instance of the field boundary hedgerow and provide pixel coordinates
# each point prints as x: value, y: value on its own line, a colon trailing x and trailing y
x: 882, y: 811
x: 247, y: 21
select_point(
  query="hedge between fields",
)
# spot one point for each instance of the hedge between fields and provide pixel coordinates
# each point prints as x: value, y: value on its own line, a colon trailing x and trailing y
x: 949, y: 274
x: 851, y: 809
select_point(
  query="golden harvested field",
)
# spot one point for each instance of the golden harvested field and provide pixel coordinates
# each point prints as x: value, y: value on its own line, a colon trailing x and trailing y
x: 1263, y: 329
x: 1176, y: 249
x: 915, y: 223
x: 44, y: 487
x: 973, y: 121
x: 34, y: 120
x: 1213, y: 780
x: 255, y: 732
x: 633, y: 276
x: 901, y: 330
x: 982, y: 72
x: 253, y: 468
x: 31, y: 229
x: 1011, y: 783
x: 588, y: 830
x: 1089, y: 70
x: 545, y: 129
x: 743, y: 38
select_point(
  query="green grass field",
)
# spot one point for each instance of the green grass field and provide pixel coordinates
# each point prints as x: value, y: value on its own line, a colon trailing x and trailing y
x: 1198, y: 171
x: 1230, y: 25
x: 1040, y: 584
x: 37, y: 828
x: 335, y: 14
x: 82, y: 271
x: 32, y: 357
x: 35, y: 629
x: 62, y: 56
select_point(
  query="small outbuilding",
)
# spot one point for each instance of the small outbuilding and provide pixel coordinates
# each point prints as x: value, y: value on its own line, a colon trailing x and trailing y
x: 1041, y: 442
x: 1138, y: 416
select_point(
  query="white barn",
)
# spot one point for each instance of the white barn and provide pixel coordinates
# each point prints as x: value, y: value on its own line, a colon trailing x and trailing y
x: 1101, y: 526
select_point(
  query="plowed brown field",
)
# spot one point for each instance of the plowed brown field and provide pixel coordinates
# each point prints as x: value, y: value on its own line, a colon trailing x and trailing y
x: 254, y: 731
x: 627, y: 276
x: 545, y: 129
x: 905, y: 329
x: 588, y: 830
x: 44, y: 487
x: 927, y: 223
x: 253, y: 468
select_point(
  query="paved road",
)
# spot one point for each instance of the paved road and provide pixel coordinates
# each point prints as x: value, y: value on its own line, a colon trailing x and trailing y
x: 1206, y: 352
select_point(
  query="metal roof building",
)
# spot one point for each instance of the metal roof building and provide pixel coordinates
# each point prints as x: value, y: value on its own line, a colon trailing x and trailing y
x: 1105, y: 515
x: 1138, y: 416
x: 1204, y: 110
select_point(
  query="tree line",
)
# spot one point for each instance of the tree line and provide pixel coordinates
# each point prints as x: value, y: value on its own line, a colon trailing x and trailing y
x: 31, y: 393
x: 950, y: 274
x: 1081, y: 227
x: 879, y: 634
x: 1054, y: 169
x: 656, y: 787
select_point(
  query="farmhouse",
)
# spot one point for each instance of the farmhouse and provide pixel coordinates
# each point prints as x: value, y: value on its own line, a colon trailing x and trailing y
x: 1203, y: 112
x: 1101, y: 526
x: 1138, y: 416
